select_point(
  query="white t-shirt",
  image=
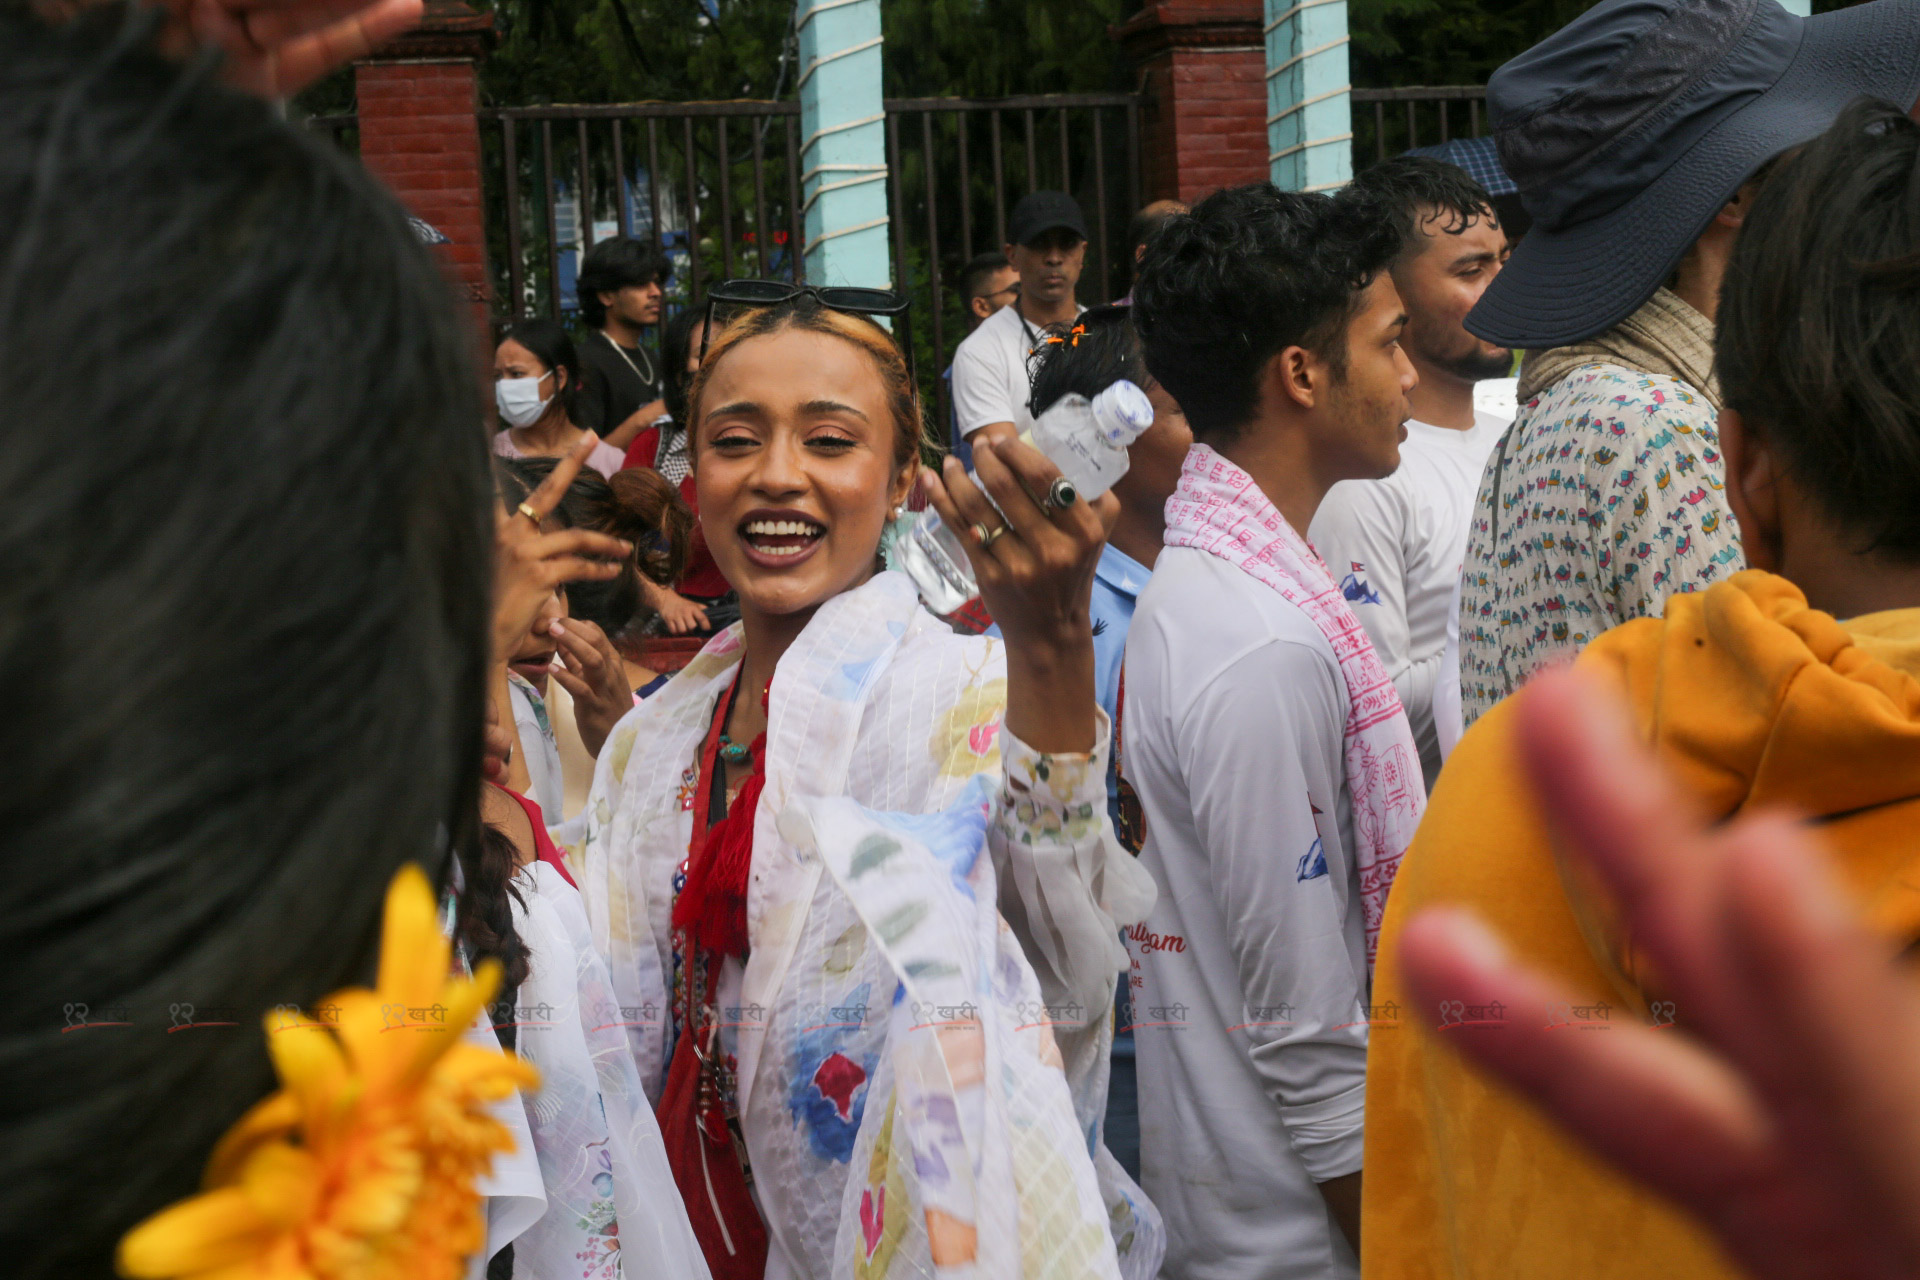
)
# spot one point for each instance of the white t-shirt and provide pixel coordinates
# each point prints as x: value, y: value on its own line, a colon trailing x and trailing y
x: 990, y: 372
x: 1497, y: 396
x: 1250, y: 971
x: 1395, y: 547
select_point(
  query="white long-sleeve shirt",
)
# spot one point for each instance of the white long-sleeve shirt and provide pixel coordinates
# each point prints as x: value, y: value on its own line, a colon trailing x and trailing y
x: 1250, y: 970
x: 1395, y: 547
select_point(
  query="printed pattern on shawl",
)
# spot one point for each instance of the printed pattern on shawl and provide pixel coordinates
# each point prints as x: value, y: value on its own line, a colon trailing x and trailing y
x: 1217, y: 508
x: 876, y: 701
x: 973, y: 1165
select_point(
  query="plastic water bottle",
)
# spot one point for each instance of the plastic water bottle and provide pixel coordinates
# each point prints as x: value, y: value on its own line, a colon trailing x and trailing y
x: 1086, y: 439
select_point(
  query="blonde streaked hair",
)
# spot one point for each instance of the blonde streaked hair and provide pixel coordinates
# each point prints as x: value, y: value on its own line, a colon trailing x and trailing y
x: 806, y: 313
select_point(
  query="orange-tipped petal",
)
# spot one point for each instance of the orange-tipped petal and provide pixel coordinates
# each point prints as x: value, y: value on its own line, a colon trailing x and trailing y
x: 363, y: 1021
x: 414, y: 955
x: 311, y: 1067
x: 268, y: 1120
x: 458, y: 1004
x: 284, y: 1184
x: 218, y: 1229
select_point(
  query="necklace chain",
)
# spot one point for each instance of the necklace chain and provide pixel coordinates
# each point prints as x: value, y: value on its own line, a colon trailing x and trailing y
x: 621, y: 351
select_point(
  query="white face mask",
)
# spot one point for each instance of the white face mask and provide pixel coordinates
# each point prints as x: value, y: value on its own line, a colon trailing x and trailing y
x: 519, y: 399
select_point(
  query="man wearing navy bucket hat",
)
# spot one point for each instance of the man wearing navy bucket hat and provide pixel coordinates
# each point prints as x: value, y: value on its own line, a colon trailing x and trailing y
x: 1638, y: 135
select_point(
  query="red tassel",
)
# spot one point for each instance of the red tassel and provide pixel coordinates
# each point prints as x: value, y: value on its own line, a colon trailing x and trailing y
x: 713, y: 904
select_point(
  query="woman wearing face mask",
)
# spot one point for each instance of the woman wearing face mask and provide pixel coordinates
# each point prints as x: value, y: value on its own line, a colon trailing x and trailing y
x: 779, y: 842
x: 535, y: 374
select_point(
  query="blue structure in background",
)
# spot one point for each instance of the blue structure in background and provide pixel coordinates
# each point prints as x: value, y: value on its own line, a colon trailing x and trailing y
x: 843, y: 152
x: 1309, y: 95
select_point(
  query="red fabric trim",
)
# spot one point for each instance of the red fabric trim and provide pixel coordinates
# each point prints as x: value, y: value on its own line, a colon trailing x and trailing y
x: 712, y: 907
x: 544, y: 850
x: 711, y: 916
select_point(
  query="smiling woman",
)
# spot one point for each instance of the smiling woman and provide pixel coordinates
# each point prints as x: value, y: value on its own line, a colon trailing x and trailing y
x: 838, y: 686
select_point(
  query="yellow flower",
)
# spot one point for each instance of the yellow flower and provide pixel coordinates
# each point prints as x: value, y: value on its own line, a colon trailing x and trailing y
x: 362, y: 1166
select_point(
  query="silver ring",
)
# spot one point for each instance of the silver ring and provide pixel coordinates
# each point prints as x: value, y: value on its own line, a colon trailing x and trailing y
x: 985, y: 536
x: 1060, y: 495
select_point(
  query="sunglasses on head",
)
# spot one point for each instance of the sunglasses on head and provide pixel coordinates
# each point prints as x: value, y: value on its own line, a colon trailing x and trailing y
x: 740, y: 295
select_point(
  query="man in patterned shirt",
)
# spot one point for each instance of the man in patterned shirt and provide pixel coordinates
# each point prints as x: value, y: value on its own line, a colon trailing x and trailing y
x: 1638, y: 135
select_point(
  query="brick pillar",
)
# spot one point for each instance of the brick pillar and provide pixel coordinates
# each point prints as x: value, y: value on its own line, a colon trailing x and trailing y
x: 419, y: 132
x: 1203, y: 68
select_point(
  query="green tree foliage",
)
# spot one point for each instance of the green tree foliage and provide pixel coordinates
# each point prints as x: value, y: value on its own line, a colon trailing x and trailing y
x: 694, y: 50
x: 635, y: 50
x: 994, y: 48
x: 1405, y: 42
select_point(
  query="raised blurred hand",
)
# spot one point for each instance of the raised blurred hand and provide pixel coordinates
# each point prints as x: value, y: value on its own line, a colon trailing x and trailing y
x: 275, y: 48
x: 1784, y: 1110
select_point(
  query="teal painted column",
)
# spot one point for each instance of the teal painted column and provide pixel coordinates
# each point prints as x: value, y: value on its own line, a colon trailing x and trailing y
x: 1309, y: 95
x: 843, y: 152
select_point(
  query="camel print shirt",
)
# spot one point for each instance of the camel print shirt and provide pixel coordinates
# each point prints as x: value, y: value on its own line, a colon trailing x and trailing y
x: 1605, y: 497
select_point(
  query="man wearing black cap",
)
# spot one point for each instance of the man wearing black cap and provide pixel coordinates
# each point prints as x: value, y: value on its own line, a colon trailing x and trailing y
x: 990, y: 370
x: 1637, y: 135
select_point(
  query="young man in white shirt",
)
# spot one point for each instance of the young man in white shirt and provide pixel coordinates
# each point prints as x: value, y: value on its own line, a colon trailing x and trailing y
x: 1395, y: 545
x: 992, y: 376
x: 1271, y: 318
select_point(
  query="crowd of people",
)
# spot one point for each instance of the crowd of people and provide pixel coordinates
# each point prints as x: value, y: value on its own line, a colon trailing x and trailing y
x: 1237, y: 890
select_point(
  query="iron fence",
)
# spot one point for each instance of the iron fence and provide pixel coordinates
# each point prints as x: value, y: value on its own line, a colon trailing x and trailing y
x: 1387, y: 122
x: 717, y: 187
x: 959, y: 165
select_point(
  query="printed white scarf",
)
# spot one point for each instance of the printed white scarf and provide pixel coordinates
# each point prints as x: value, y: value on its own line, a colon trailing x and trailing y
x: 1218, y: 509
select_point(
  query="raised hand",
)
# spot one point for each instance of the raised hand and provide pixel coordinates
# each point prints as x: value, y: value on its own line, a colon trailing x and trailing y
x: 275, y: 48
x: 595, y: 676
x: 680, y: 615
x: 1784, y: 1109
x: 1035, y: 569
x: 529, y: 565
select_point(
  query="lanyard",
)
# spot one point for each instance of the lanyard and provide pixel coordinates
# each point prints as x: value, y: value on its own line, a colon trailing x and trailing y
x: 1033, y: 339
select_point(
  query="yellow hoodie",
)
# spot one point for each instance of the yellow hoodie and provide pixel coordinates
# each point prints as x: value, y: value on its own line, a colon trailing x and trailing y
x: 1750, y: 698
